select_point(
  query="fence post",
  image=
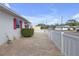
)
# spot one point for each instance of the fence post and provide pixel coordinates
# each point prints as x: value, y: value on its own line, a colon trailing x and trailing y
x: 62, y: 46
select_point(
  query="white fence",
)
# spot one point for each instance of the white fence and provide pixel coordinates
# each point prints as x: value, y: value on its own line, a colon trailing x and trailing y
x: 68, y: 44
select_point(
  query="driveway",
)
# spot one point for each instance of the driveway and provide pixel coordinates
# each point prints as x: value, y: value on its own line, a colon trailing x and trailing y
x: 38, y: 45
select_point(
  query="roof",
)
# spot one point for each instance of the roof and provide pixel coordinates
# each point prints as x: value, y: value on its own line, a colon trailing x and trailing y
x: 10, y: 11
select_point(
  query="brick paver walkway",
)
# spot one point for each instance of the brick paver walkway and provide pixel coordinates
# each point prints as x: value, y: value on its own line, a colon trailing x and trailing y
x: 38, y: 45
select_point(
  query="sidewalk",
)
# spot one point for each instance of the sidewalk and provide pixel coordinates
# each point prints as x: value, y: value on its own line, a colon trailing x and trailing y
x: 38, y: 45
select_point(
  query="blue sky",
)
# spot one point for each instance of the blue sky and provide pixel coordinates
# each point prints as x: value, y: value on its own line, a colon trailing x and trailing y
x: 46, y: 12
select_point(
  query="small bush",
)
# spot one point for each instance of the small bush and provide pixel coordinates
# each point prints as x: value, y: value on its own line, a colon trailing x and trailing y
x: 27, y: 32
x: 44, y: 27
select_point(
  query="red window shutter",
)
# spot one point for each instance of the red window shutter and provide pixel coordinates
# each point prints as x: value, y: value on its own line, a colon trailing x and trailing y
x: 14, y: 23
x: 21, y: 24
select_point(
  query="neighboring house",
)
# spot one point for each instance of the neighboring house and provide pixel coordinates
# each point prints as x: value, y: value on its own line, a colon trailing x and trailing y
x: 76, y: 28
x: 63, y: 28
x: 10, y: 24
x: 37, y: 28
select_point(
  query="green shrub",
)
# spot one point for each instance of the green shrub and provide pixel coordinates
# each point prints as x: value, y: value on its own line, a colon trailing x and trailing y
x: 27, y: 32
x: 44, y: 27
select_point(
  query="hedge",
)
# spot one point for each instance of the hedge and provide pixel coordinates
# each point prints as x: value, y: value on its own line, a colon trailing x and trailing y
x: 27, y: 32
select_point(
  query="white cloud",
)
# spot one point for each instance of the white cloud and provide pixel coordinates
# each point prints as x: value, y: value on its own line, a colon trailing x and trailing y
x: 34, y: 20
x: 49, y: 19
x: 76, y: 16
x: 54, y: 22
x: 7, y: 4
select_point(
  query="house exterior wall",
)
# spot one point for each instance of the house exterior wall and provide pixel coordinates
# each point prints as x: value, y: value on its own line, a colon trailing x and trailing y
x: 7, y: 29
x: 23, y: 24
x: 65, y: 28
x: 61, y: 28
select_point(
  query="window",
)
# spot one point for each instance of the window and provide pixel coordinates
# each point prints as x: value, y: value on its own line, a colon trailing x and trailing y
x: 17, y: 23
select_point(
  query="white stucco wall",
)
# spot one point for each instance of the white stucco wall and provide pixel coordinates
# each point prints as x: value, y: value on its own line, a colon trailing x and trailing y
x: 61, y: 28
x: 6, y: 28
x: 23, y: 25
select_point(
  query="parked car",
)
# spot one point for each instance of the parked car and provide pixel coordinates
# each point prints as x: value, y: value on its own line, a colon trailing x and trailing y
x: 77, y: 28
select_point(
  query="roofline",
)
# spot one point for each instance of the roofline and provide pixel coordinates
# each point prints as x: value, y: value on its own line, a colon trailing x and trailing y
x: 10, y: 10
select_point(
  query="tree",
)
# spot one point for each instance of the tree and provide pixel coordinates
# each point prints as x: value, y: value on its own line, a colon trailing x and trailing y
x: 40, y: 25
x: 72, y: 22
x: 43, y: 26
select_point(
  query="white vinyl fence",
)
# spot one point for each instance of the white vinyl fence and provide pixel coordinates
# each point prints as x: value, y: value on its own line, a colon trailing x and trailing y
x: 68, y: 44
